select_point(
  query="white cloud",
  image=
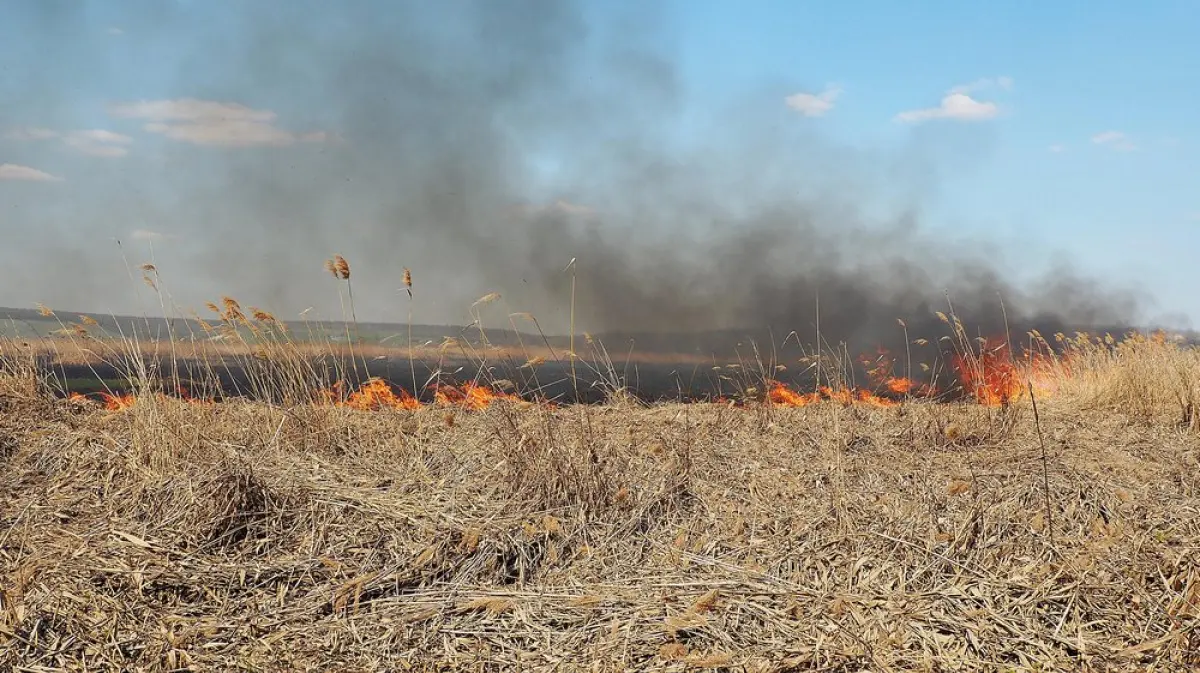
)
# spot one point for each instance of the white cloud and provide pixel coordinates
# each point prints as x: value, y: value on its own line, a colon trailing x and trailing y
x: 17, y: 172
x: 94, y: 142
x: 1057, y: 148
x: 204, y: 122
x: 31, y: 133
x: 957, y: 106
x: 189, y: 109
x: 813, y: 105
x: 98, y: 143
x: 1114, y: 139
x: 960, y: 105
x: 102, y: 136
x: 115, y: 31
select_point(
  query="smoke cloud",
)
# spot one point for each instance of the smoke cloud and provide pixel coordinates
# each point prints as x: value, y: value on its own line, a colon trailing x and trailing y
x: 485, y: 145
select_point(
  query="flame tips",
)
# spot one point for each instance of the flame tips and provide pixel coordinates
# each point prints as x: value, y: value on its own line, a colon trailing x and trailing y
x: 377, y: 394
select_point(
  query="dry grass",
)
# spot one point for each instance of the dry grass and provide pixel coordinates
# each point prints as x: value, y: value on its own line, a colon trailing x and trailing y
x: 241, y: 536
x: 291, y: 534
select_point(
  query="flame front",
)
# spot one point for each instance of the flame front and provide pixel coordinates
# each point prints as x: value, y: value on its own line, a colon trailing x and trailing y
x: 995, y: 378
x: 378, y: 394
x: 990, y: 377
x: 783, y: 396
x: 117, y: 402
x: 786, y: 397
x: 471, y: 396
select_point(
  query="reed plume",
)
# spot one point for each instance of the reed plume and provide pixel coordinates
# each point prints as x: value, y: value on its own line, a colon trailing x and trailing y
x: 412, y: 367
x: 342, y: 267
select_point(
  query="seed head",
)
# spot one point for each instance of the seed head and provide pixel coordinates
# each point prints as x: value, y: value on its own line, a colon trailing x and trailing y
x: 261, y: 315
x: 487, y: 298
x: 342, y: 267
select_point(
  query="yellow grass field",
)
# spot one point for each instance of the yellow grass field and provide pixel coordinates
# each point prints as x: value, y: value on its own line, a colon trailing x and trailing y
x: 923, y: 536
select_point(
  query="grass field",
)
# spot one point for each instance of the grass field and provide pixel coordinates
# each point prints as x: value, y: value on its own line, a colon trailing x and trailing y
x: 1047, y: 519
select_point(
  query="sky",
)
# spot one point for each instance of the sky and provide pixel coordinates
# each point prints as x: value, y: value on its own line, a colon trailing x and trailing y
x: 1028, y: 132
x: 1088, y: 138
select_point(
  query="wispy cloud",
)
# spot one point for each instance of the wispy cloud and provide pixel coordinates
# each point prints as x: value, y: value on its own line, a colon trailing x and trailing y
x: 814, y: 105
x: 1117, y: 140
x: 560, y: 206
x: 148, y: 235
x: 98, y: 143
x: 203, y: 122
x: 18, y: 172
x: 30, y: 133
x: 1003, y: 82
x: 1057, y: 148
x: 93, y: 142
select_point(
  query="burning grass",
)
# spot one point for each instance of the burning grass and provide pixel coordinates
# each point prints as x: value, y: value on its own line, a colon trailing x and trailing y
x: 379, y: 534
x: 314, y: 523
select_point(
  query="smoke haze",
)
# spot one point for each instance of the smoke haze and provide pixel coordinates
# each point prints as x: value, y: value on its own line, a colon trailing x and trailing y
x: 484, y: 145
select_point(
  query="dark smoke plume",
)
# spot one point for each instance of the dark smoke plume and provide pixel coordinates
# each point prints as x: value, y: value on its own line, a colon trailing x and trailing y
x: 487, y: 144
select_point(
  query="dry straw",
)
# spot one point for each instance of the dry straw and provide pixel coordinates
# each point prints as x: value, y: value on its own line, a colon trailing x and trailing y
x: 248, y: 536
x: 302, y: 535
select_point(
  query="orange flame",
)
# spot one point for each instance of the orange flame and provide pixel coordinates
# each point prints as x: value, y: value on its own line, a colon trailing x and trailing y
x: 471, y: 396
x: 781, y: 395
x: 994, y: 377
x: 899, y: 385
x: 880, y: 370
x: 117, y: 402
x: 378, y: 394
x: 786, y: 397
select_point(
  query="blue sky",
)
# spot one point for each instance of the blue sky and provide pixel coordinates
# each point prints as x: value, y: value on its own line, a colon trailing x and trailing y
x: 1094, y: 145
x: 1064, y: 129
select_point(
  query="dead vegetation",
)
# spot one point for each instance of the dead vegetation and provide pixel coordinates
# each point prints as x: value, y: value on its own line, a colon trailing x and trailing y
x: 788, y: 531
x: 240, y: 536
